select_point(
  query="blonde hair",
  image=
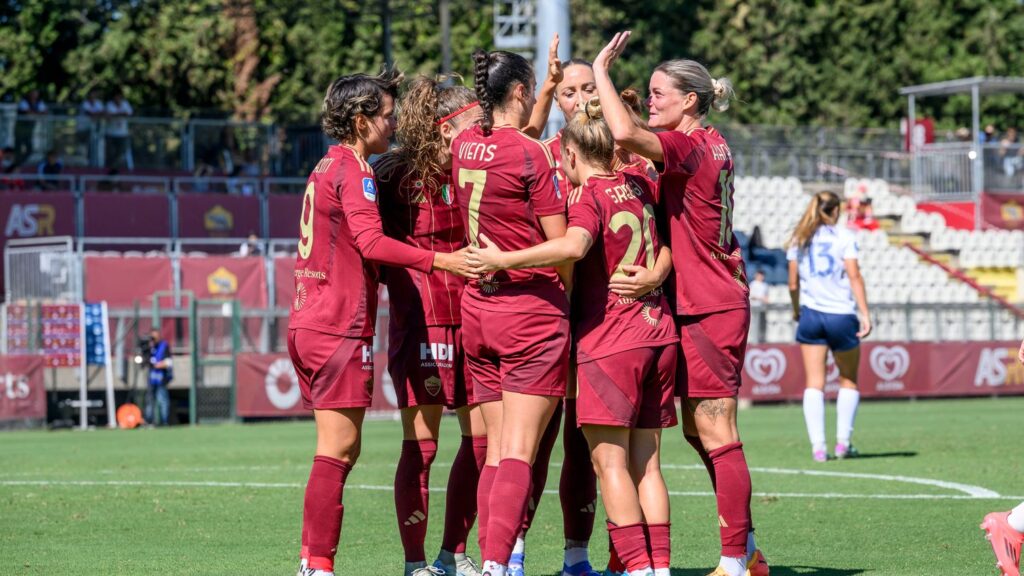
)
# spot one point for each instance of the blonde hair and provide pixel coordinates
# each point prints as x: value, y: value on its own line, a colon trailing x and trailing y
x: 692, y: 76
x: 823, y: 209
x: 424, y: 103
x: 590, y: 135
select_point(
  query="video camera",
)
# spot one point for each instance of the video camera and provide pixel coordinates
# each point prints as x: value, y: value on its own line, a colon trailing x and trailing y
x: 144, y: 352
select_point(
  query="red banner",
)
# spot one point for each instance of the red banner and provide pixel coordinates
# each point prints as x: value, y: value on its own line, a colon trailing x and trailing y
x: 892, y: 370
x: 958, y: 215
x: 1002, y: 211
x: 244, y: 279
x: 123, y: 280
x: 22, y: 393
x: 217, y: 216
x: 285, y: 211
x: 127, y: 215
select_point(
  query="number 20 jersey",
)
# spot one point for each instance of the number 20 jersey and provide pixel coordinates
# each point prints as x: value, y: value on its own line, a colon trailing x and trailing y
x: 696, y: 195
x: 505, y: 181
x: 617, y: 211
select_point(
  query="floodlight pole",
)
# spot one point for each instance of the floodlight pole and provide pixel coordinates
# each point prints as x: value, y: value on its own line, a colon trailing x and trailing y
x: 385, y: 18
x: 446, y: 37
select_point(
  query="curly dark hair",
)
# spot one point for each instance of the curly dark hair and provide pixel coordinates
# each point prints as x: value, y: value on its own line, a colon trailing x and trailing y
x: 494, y: 76
x: 349, y: 96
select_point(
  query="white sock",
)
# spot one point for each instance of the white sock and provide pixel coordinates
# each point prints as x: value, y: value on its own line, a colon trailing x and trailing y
x: 751, y: 545
x: 662, y: 572
x: 1016, y: 518
x: 642, y: 572
x: 494, y: 568
x: 520, y: 547
x: 322, y: 573
x: 814, y: 416
x: 846, y: 406
x: 575, y: 552
x: 733, y: 566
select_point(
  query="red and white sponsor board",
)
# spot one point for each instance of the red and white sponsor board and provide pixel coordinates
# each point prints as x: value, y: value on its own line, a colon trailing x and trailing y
x: 775, y: 372
x: 22, y: 394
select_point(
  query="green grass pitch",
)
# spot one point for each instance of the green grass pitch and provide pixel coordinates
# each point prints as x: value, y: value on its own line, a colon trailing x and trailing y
x: 227, y: 500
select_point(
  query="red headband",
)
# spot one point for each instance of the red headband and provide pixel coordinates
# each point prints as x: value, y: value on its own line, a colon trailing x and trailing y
x: 457, y: 112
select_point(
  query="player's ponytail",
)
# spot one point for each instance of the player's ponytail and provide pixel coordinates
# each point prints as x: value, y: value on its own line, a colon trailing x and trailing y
x: 690, y: 76
x: 480, y: 76
x: 823, y: 209
x: 423, y: 105
x: 495, y: 74
x: 589, y: 134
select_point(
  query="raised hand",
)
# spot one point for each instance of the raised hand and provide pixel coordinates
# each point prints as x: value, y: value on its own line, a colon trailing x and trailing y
x: 554, y: 64
x: 612, y: 51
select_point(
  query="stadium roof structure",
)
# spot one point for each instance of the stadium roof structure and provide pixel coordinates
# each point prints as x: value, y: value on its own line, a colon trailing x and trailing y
x: 983, y: 84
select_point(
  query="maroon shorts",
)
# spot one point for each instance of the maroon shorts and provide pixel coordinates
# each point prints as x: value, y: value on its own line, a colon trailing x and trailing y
x: 631, y: 389
x: 427, y: 366
x: 334, y: 371
x: 713, y: 346
x: 518, y: 352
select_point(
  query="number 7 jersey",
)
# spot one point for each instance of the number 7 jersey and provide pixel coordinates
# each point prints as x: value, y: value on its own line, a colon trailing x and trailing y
x: 696, y: 191
x: 505, y: 181
x: 617, y: 211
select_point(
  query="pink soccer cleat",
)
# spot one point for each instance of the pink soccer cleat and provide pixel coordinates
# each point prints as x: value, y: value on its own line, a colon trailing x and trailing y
x: 1006, y: 542
x: 820, y: 455
x: 757, y: 565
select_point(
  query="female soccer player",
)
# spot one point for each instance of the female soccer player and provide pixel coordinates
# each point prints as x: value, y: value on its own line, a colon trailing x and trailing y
x: 712, y: 305
x: 425, y: 360
x: 330, y: 333
x: 515, y: 326
x: 826, y: 288
x: 626, y: 347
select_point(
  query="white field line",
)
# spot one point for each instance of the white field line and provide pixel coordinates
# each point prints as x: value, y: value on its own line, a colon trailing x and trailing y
x: 377, y: 488
x: 969, y: 490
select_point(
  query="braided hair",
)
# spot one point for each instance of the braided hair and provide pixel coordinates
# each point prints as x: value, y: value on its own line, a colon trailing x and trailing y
x: 495, y: 74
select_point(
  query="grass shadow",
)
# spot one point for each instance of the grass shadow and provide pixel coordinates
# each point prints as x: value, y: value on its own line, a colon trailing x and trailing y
x: 785, y: 571
x: 906, y: 454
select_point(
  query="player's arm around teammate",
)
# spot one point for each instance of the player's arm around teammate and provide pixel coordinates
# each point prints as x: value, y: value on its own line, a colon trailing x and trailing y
x: 626, y: 347
x: 425, y: 356
x: 711, y: 296
x: 334, y: 312
x: 514, y: 323
x: 826, y: 288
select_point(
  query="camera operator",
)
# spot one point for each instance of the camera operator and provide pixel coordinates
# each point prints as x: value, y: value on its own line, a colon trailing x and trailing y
x: 160, y: 376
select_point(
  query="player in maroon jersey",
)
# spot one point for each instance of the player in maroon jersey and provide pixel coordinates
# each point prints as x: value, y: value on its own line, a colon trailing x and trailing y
x: 331, y: 328
x: 712, y: 303
x: 515, y: 325
x: 626, y: 347
x: 425, y: 357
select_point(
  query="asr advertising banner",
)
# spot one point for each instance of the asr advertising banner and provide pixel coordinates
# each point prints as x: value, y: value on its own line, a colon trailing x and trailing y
x: 22, y: 394
x: 218, y: 216
x: 110, y: 215
x: 1004, y: 211
x: 35, y: 215
x: 892, y: 370
x: 228, y: 277
x: 123, y: 280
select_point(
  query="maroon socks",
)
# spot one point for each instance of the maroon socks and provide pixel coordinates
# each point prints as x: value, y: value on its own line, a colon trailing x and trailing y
x: 577, y: 487
x: 732, y: 490
x: 631, y: 545
x: 660, y: 539
x: 483, y: 499
x: 459, y: 511
x: 322, y: 511
x: 540, y: 466
x: 412, y: 494
x: 507, y: 504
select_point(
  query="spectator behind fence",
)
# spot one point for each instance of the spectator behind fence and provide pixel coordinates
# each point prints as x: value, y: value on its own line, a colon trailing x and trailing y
x: 758, y: 300
x: 863, y: 217
x: 161, y: 374
x: 8, y: 179
x: 251, y: 246
x: 30, y: 137
x: 118, y: 141
x: 989, y: 135
x: 51, y: 166
x: 90, y: 114
x: 1010, y: 152
x: 32, y: 103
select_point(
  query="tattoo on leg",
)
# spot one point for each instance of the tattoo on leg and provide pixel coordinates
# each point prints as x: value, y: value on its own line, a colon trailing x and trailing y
x: 712, y: 408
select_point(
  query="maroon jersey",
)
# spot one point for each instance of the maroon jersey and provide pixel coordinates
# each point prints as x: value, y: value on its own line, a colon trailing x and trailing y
x: 421, y: 212
x: 696, y: 192
x: 340, y: 238
x: 554, y: 145
x: 505, y: 181
x: 618, y: 213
